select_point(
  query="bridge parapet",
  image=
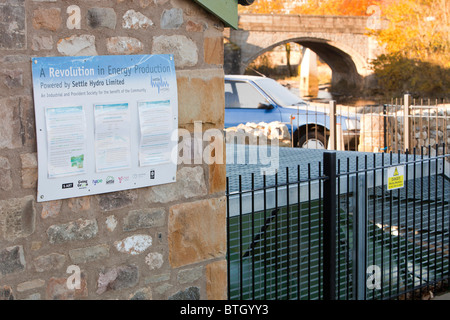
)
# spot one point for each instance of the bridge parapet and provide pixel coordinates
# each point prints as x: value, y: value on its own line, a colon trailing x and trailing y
x: 342, y: 42
x: 307, y: 23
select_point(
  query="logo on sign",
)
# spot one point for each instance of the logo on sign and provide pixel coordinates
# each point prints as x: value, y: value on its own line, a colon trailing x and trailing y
x: 97, y: 181
x: 123, y: 179
x: 152, y: 174
x: 67, y: 185
x: 109, y: 180
x: 82, y: 184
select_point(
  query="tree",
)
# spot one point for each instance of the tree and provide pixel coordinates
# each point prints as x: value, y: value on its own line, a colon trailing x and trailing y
x: 318, y: 7
x: 417, y: 29
x: 337, y: 7
x: 417, y: 48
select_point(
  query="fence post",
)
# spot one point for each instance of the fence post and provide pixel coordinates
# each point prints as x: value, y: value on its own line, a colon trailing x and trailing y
x: 359, y: 236
x: 332, y: 140
x: 329, y: 226
x: 406, y: 126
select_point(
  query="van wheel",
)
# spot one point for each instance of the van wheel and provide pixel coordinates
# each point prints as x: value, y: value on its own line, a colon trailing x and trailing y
x: 312, y: 140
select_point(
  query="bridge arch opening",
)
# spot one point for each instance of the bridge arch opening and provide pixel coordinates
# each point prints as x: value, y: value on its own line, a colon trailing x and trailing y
x: 347, y: 68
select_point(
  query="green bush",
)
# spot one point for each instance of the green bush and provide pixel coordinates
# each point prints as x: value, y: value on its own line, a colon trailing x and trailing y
x: 397, y: 75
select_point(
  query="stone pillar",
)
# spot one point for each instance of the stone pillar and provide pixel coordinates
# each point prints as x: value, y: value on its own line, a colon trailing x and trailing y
x: 372, y: 133
x: 309, y: 75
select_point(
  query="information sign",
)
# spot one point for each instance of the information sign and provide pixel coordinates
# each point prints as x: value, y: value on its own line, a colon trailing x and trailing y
x: 104, y: 123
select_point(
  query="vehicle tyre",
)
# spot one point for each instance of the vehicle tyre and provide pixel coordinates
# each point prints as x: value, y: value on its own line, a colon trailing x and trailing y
x: 312, y: 140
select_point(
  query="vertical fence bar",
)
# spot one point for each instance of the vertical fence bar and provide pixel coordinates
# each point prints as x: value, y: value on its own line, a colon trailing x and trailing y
x: 414, y: 222
x: 276, y: 235
x: 329, y: 226
x: 406, y: 126
x: 309, y: 231
x: 265, y: 236
x: 299, y: 208
x: 241, y: 277
x: 382, y: 228
x: 348, y: 255
x: 332, y: 140
x: 320, y: 231
x: 253, y: 235
x: 228, y: 237
x: 443, y: 210
x: 406, y: 224
x: 359, y: 235
x: 339, y: 223
x: 288, y: 235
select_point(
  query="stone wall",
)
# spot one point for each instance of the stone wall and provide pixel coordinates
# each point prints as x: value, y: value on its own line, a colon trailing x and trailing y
x: 429, y: 125
x: 162, y: 242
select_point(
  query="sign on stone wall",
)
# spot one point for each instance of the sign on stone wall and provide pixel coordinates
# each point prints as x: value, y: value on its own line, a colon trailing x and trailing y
x: 104, y: 123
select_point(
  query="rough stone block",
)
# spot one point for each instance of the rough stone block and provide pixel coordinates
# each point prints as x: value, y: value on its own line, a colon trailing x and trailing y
x: 191, y: 293
x: 116, y: 200
x: 12, y: 25
x: 117, y: 278
x: 190, y: 183
x: 172, y: 18
x: 189, y: 275
x: 52, y: 261
x: 143, y: 219
x: 134, y: 245
x: 72, y: 231
x: 33, y: 296
x: 124, y: 45
x: 135, y: 20
x: 29, y: 170
x: 216, y: 280
x: 5, y: 174
x: 142, y: 294
x: 12, y: 260
x: 154, y: 260
x: 12, y: 78
x: 6, y: 293
x: 192, y: 26
x: 101, y: 18
x: 10, y: 124
x: 185, y: 50
x: 17, y: 218
x: 57, y: 289
x: 30, y: 285
x: 213, y: 50
x: 207, y: 105
x: 83, y: 255
x: 83, y: 45
x: 157, y: 278
x: 40, y: 43
x: 79, y: 204
x: 217, y: 178
x: 51, y: 209
x: 47, y: 19
x: 197, y: 231
x: 111, y: 223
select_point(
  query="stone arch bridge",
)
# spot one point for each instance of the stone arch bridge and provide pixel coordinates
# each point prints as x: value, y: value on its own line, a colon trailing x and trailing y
x: 340, y: 41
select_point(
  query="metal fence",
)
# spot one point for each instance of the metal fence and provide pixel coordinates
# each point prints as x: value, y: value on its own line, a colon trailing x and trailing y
x: 386, y: 126
x: 335, y: 231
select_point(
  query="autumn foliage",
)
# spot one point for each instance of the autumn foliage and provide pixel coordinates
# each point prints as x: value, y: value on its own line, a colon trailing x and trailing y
x: 417, y: 48
x: 313, y: 7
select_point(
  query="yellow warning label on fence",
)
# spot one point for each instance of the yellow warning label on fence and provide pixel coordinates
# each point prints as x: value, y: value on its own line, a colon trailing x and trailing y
x: 395, y: 177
